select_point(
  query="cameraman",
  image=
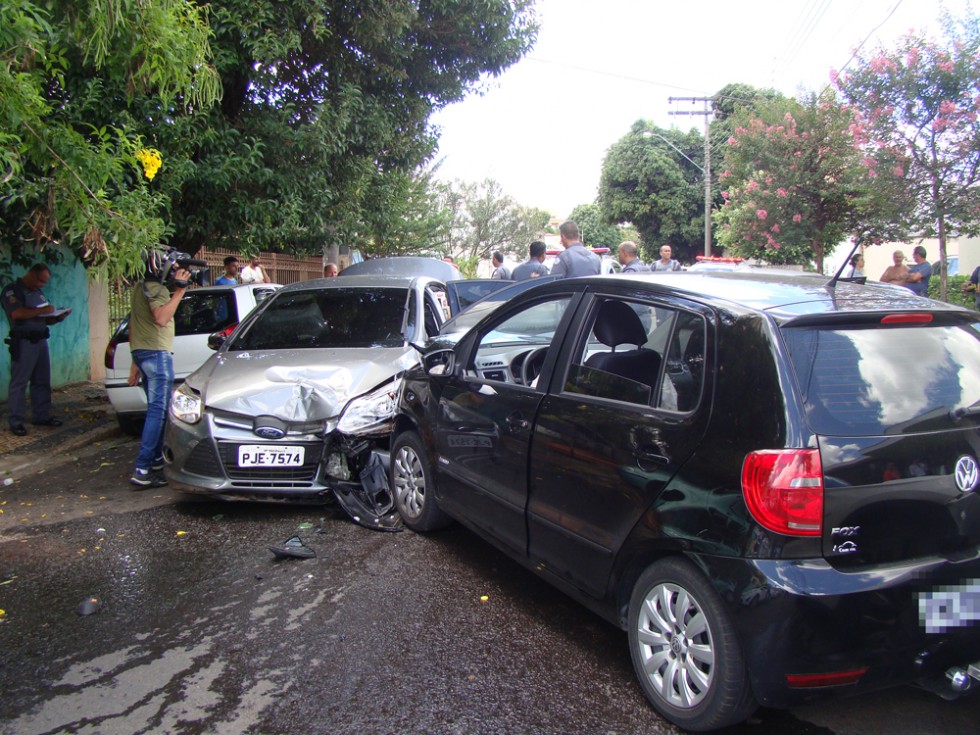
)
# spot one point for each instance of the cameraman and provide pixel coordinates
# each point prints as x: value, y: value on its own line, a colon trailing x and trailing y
x: 151, y: 340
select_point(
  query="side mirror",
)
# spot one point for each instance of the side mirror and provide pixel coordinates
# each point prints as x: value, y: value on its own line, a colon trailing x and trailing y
x: 439, y: 362
x: 216, y: 339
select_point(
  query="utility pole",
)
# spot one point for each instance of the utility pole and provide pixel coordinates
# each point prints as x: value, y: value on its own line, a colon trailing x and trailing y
x: 707, y: 112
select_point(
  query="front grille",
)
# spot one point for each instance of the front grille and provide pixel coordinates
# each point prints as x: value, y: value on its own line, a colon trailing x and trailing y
x: 266, y: 475
x: 203, y: 461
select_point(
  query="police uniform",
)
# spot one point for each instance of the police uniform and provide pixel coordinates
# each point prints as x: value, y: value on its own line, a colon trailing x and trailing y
x: 29, y: 359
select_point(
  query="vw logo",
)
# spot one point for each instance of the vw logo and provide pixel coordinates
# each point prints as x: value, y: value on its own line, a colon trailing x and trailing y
x: 269, y: 432
x: 967, y: 473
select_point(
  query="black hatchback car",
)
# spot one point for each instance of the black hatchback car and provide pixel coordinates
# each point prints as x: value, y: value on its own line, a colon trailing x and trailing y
x: 769, y: 481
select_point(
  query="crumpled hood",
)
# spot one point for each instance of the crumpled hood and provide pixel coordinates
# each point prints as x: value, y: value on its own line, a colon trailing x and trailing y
x: 296, y: 385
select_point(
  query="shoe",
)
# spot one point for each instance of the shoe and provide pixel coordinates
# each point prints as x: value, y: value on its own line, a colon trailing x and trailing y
x: 48, y: 422
x: 18, y: 430
x: 143, y: 479
x: 158, y: 465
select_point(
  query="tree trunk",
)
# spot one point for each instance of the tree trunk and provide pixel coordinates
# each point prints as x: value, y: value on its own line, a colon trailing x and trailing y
x: 942, y: 256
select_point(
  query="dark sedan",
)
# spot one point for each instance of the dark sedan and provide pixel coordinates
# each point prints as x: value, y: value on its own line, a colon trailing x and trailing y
x: 769, y: 481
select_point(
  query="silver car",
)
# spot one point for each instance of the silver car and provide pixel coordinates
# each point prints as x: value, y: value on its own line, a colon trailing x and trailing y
x: 298, y: 403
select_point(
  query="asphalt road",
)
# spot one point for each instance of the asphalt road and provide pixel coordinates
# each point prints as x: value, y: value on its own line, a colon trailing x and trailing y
x: 200, y: 630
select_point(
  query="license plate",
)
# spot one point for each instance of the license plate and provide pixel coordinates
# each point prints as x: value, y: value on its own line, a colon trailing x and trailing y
x: 263, y: 455
x: 954, y: 606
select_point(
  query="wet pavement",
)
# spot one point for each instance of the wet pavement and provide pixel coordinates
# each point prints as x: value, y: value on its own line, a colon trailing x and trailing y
x: 199, y: 629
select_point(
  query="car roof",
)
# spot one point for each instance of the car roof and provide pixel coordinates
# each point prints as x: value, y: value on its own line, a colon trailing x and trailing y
x: 366, y: 281
x: 782, y: 295
x: 232, y: 287
x: 404, y: 265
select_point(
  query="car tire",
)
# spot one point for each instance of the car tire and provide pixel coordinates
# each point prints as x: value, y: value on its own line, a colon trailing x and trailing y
x: 131, y: 424
x: 412, y: 485
x: 685, y: 650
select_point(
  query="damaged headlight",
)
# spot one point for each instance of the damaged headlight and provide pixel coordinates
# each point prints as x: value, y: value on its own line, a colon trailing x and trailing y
x: 186, y: 405
x: 372, y: 412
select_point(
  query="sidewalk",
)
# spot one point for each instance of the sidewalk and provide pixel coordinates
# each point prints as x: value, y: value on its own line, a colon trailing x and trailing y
x: 88, y: 418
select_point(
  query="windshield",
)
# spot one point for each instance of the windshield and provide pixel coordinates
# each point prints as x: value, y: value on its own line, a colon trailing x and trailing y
x: 333, y: 317
x: 873, y: 381
x: 466, y: 320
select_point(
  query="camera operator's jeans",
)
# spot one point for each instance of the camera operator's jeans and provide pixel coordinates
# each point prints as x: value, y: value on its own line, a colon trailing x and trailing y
x: 157, y: 369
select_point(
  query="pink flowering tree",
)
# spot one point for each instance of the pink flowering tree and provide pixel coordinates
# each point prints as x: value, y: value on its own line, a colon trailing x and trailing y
x: 796, y: 181
x: 923, y: 99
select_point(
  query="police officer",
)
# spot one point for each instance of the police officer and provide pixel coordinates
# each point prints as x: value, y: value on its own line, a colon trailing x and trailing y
x: 29, y: 314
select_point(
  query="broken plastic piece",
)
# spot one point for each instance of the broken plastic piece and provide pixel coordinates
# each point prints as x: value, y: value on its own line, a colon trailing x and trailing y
x: 293, y: 548
x: 89, y: 605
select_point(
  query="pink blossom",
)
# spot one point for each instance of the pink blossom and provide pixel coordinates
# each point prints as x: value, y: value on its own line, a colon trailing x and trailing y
x: 947, y: 108
x: 898, y: 172
x: 797, y: 218
x: 947, y: 66
x: 912, y: 57
x: 781, y: 192
x: 761, y: 213
x: 775, y: 229
x: 724, y: 195
x: 753, y: 185
x: 732, y: 140
x: 769, y: 179
x: 799, y: 154
x: 834, y: 76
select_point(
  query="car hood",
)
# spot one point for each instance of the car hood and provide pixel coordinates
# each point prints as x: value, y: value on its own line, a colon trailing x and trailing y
x: 296, y: 385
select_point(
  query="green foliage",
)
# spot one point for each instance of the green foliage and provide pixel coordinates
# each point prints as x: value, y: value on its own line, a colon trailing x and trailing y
x: 485, y: 219
x: 797, y: 183
x: 69, y: 73
x: 596, y: 232
x: 922, y: 99
x: 648, y: 182
x: 954, y: 293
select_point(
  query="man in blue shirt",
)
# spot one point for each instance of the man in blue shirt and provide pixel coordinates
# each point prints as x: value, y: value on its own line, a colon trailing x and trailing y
x: 230, y: 276
x: 918, y: 279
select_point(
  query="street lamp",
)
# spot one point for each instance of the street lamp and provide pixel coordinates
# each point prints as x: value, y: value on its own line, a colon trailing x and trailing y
x: 707, y: 182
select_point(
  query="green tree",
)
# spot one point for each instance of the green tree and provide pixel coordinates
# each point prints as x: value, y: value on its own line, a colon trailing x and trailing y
x: 649, y: 179
x: 596, y: 232
x: 72, y: 172
x: 326, y: 110
x: 797, y: 182
x: 487, y: 220
x: 922, y: 99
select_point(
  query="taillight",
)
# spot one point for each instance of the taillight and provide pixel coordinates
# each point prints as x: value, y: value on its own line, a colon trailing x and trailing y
x: 783, y: 489
x: 110, y: 355
x: 912, y: 318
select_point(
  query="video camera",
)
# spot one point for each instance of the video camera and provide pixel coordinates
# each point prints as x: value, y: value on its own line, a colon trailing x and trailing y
x: 162, y: 265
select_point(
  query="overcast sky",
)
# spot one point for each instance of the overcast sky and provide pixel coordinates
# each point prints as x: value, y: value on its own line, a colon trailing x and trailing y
x: 541, y: 130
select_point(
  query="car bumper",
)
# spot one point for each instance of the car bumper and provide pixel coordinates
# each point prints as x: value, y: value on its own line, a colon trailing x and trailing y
x: 805, y: 618
x: 203, y: 459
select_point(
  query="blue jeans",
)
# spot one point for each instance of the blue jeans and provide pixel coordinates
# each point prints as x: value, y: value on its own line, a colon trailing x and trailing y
x: 157, y: 369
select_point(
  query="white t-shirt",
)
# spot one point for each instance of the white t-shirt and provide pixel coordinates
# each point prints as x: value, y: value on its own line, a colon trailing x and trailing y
x: 253, y: 275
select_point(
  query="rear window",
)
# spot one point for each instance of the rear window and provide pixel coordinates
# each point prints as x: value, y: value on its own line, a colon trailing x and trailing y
x: 335, y: 317
x: 872, y: 380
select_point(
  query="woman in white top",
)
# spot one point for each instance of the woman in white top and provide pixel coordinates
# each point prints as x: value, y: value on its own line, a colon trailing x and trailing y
x: 857, y: 267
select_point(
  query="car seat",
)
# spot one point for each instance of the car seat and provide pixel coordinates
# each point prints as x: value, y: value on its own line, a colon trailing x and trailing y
x: 617, y: 324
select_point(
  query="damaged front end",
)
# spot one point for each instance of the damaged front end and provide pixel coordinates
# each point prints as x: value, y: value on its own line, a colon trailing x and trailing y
x: 356, y: 459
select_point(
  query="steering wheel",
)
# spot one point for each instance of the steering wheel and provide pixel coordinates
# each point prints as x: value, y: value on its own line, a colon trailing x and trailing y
x: 531, y: 367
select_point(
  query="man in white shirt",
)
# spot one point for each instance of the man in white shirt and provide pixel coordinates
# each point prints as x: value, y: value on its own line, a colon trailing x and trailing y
x: 254, y: 272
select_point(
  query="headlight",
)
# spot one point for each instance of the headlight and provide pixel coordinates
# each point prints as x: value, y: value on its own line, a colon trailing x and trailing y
x: 373, y: 412
x: 186, y: 405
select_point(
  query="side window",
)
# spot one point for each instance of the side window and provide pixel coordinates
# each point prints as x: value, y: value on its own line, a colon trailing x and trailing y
x: 639, y: 353
x: 514, y: 350
x: 205, y: 312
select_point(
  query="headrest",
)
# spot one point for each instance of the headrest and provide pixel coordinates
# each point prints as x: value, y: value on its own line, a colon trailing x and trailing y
x: 617, y: 324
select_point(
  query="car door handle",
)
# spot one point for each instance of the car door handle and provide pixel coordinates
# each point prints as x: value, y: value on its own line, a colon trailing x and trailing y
x: 516, y: 422
x: 466, y: 428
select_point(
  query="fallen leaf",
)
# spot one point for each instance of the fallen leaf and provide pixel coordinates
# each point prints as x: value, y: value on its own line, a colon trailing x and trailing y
x: 181, y: 533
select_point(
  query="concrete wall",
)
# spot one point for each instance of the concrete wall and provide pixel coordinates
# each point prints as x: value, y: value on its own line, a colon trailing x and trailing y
x: 69, y: 343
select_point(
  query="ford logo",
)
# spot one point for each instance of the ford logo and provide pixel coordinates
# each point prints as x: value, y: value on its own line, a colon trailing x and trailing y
x: 269, y: 427
x: 269, y: 432
x: 967, y: 473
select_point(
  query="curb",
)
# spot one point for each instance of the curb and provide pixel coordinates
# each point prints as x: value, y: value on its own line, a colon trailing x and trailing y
x: 32, y: 462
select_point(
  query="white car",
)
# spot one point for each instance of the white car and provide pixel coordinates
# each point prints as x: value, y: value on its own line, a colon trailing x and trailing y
x: 202, y: 312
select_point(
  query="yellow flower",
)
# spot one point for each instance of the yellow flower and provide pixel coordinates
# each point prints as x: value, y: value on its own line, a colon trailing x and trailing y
x: 151, y: 160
